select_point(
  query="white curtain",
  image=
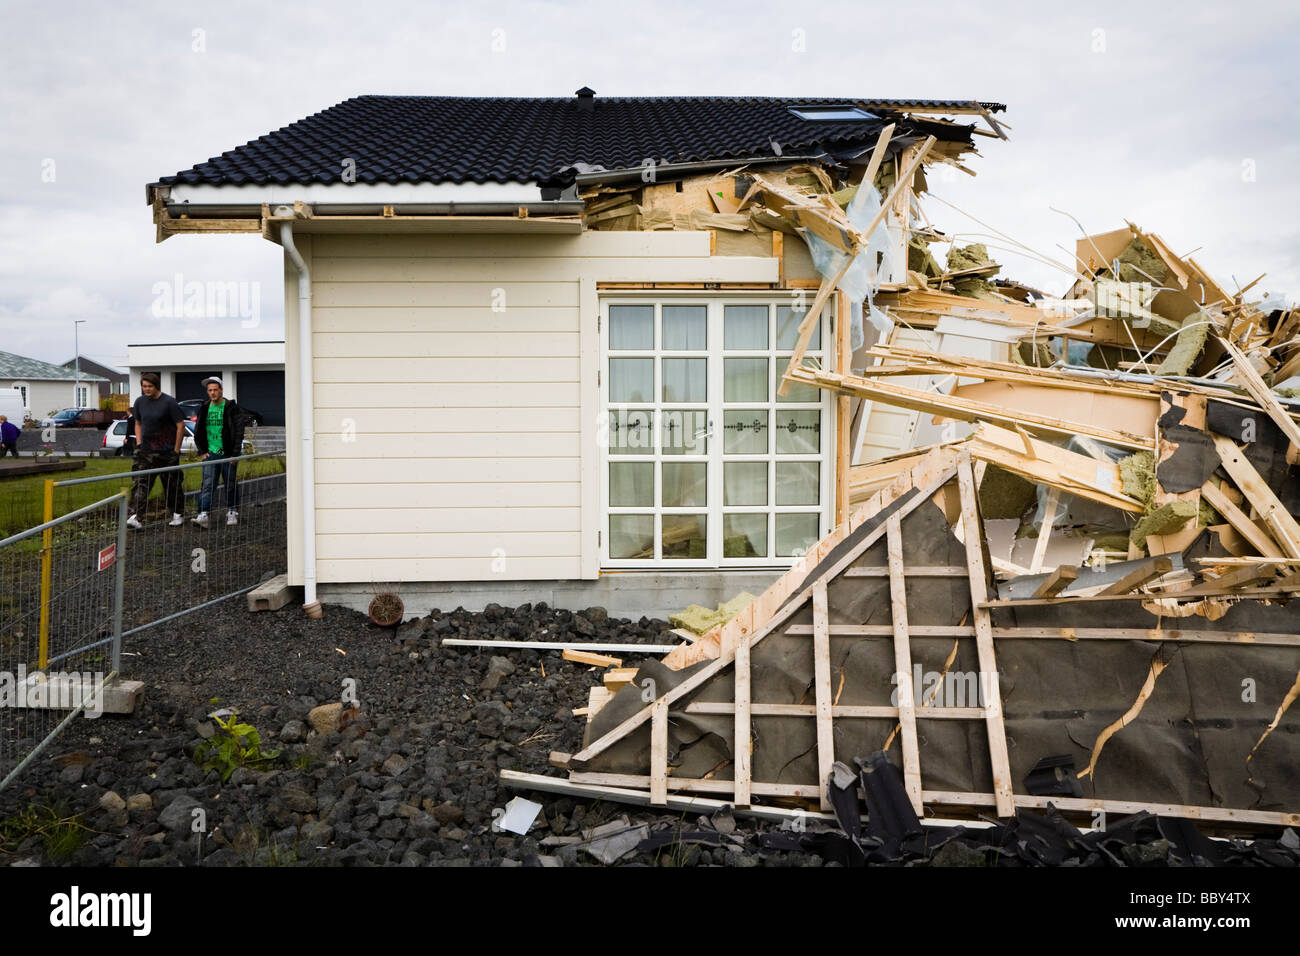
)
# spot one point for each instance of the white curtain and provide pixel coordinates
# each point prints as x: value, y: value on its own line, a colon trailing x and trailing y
x: 744, y: 483
x: 685, y: 379
x: 631, y: 327
x: 744, y: 327
x: 685, y: 328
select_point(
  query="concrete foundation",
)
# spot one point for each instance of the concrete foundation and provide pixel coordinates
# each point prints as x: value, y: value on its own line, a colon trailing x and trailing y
x: 631, y: 594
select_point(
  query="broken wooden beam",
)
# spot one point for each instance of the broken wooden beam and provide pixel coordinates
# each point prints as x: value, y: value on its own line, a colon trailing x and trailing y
x: 1261, y: 393
x: 1148, y: 570
x: 1274, y: 514
x: 587, y: 657
x: 1057, y: 581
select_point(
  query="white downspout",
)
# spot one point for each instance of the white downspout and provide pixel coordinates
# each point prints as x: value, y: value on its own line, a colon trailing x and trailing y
x: 306, y: 425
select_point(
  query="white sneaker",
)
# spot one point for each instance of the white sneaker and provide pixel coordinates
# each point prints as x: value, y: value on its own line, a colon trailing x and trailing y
x: 177, y: 520
x: 201, y: 519
x: 232, y: 517
x: 134, y: 522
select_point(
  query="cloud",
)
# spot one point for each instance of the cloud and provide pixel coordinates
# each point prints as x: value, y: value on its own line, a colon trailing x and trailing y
x: 1153, y: 126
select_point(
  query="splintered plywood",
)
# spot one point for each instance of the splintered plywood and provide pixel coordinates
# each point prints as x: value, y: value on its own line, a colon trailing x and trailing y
x: 1133, y: 414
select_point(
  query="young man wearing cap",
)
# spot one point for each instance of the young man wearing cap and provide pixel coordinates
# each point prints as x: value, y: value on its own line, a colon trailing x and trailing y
x: 218, y: 435
x: 159, y: 432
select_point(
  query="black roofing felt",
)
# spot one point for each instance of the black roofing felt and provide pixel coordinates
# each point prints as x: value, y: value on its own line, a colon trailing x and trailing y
x: 418, y: 139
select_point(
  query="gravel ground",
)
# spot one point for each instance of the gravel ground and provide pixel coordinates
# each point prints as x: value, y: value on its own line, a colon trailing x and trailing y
x: 412, y: 778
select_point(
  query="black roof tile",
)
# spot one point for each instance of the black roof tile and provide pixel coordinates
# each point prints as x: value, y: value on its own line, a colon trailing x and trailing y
x: 417, y: 139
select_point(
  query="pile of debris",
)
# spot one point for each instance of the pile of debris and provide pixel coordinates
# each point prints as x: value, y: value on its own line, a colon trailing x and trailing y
x: 1078, y: 595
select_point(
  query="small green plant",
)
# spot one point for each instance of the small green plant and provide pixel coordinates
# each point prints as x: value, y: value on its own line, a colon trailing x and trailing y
x: 62, y: 833
x: 251, y: 849
x: 234, y: 745
x: 305, y: 760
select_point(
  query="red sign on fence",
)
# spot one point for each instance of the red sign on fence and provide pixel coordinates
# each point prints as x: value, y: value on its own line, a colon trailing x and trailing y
x: 107, y: 556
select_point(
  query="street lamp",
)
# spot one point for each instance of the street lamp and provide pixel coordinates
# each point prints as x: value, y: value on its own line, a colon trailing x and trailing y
x: 76, y: 351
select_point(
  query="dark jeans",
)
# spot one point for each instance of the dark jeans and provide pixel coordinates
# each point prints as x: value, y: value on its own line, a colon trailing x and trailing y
x: 217, y: 468
x: 172, y: 481
x: 10, y: 446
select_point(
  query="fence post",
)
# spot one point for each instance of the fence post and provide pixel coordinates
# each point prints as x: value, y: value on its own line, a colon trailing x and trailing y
x: 47, y: 561
x: 119, y: 581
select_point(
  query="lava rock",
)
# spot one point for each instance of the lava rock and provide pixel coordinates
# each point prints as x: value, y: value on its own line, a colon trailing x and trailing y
x: 179, y: 813
x: 498, y: 668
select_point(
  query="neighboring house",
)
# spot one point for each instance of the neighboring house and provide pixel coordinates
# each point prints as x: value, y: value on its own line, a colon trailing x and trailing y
x: 546, y: 341
x: 115, y: 381
x: 46, y: 387
x: 252, y: 373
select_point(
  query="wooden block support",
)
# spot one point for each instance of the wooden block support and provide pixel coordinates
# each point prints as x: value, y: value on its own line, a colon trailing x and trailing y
x: 903, y: 664
x: 744, y: 746
x: 843, y: 406
x: 822, y: 684
x: 271, y: 596
x: 998, y: 755
x: 659, y: 752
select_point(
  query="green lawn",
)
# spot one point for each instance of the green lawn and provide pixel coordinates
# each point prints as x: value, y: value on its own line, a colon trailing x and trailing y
x: 22, y: 498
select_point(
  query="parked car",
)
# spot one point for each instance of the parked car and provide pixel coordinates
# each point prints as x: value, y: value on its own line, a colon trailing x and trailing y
x: 119, y: 438
x: 82, y: 418
x: 191, y: 407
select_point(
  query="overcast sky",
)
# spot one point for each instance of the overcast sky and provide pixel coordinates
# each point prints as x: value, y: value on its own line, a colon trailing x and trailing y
x: 1183, y: 123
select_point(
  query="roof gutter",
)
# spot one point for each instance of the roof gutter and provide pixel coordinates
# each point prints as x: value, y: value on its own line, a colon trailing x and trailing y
x: 379, y: 210
x: 306, y: 424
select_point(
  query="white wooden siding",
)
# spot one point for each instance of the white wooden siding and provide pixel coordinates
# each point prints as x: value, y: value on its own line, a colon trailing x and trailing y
x: 453, y: 381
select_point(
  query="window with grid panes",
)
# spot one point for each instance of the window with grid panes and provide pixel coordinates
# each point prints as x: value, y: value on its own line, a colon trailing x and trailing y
x: 706, y: 465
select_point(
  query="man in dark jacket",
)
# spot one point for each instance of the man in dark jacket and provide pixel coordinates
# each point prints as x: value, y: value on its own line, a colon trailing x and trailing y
x: 219, y: 436
x: 159, y: 434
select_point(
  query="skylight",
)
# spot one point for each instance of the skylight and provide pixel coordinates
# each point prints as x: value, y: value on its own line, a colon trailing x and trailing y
x: 838, y: 114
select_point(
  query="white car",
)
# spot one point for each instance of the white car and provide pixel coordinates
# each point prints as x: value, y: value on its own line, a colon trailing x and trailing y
x: 115, y: 439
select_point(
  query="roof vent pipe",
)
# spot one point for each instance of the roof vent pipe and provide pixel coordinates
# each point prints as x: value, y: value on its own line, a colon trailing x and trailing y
x: 586, y: 99
x: 307, y: 463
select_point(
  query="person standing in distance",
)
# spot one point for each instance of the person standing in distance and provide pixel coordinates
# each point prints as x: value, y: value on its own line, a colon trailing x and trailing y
x: 159, y: 432
x: 9, y: 433
x: 218, y: 436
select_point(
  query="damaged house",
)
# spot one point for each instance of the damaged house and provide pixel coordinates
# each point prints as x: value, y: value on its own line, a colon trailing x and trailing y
x: 547, y: 340
x: 642, y: 353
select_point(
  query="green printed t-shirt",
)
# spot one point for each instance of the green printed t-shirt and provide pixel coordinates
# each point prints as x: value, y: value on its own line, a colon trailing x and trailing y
x: 215, y: 415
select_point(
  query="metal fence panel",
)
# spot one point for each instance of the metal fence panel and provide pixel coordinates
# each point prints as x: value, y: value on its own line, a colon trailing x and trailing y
x: 60, y: 627
x: 175, y: 570
x: 73, y: 587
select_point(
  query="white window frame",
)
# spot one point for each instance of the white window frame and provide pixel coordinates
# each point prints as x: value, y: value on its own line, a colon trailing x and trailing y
x: 24, y: 390
x: 82, y: 395
x: 716, y: 302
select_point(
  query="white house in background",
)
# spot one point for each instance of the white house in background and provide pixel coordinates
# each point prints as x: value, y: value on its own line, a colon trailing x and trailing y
x: 533, y: 346
x: 45, y: 387
x: 252, y: 372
